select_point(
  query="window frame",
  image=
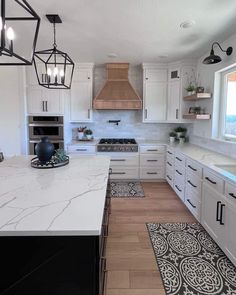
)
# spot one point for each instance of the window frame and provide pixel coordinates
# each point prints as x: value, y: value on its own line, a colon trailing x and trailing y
x: 223, y: 106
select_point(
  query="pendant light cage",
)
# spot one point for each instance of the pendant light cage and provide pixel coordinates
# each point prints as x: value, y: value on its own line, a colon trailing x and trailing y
x: 19, y: 28
x: 54, y: 68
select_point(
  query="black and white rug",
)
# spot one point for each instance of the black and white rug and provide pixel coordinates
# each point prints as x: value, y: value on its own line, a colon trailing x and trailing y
x: 123, y: 189
x: 190, y: 262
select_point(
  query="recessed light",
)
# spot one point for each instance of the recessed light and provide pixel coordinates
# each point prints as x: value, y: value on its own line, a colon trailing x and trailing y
x: 112, y: 55
x: 187, y: 24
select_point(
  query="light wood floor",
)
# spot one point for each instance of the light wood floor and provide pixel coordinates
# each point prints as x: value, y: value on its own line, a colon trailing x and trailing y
x: 131, y: 265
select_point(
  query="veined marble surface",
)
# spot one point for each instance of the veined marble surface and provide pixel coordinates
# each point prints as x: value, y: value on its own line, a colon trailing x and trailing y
x: 63, y: 201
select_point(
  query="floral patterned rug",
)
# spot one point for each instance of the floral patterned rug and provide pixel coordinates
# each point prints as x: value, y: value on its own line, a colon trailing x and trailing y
x: 124, y: 189
x: 190, y: 262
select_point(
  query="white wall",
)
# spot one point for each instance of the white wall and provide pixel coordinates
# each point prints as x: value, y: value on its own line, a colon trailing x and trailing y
x: 12, y: 111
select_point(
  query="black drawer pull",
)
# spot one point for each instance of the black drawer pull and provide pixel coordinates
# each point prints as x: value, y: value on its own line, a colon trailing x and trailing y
x: 217, y: 210
x: 118, y: 160
x: 169, y: 177
x: 178, y: 159
x: 152, y: 150
x: 81, y: 150
x: 191, y: 204
x: 192, y: 168
x: 169, y: 164
x: 169, y: 153
x: 211, y: 181
x: 178, y: 172
x: 221, y: 214
x: 152, y: 173
x: 118, y: 173
x: 232, y: 195
x: 178, y: 188
x: 152, y: 160
x: 193, y: 185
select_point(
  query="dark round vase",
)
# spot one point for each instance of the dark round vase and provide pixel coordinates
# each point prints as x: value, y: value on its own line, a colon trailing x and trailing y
x: 44, y: 150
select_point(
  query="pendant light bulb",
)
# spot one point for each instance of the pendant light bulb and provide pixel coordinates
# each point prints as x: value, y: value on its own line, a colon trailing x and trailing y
x: 55, y: 72
x: 10, y: 34
x: 49, y: 72
x: 62, y: 74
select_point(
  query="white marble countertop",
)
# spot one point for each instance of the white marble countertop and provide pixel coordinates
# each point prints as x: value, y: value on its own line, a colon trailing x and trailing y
x: 207, y: 158
x: 63, y: 201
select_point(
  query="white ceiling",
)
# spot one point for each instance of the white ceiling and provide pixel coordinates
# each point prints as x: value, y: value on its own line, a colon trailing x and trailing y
x: 136, y: 30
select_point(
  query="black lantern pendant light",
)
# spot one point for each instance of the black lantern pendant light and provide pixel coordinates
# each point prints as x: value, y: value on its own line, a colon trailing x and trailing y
x: 54, y: 68
x: 18, y: 19
x: 214, y: 59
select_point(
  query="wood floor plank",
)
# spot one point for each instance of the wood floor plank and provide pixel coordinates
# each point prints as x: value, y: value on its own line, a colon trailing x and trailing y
x: 118, y: 279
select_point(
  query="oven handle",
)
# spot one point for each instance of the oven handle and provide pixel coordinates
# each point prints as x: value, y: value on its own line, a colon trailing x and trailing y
x: 52, y: 141
x: 45, y: 125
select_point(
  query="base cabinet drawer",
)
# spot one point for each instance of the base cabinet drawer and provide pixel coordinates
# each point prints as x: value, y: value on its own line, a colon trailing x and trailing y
x: 122, y: 160
x: 170, y: 176
x: 124, y: 172
x: 152, y: 149
x: 194, y: 168
x: 81, y: 149
x: 194, y: 185
x: 193, y: 203
x: 213, y: 180
x: 154, y: 160
x: 179, y: 186
x: 152, y: 173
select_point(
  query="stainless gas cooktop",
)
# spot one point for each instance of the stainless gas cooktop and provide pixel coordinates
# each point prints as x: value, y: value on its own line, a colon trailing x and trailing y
x: 117, y: 145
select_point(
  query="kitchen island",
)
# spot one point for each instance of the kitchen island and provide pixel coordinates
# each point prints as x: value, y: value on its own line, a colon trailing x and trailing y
x: 53, y: 224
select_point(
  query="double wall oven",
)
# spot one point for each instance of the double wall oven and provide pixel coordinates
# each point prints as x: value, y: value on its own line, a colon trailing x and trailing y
x: 49, y: 126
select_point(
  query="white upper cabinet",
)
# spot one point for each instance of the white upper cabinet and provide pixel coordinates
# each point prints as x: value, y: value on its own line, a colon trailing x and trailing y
x: 173, y: 112
x: 44, y: 101
x: 154, y: 94
x: 82, y: 94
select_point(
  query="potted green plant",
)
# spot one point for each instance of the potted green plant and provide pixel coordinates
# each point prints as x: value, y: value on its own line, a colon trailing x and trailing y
x: 81, y: 130
x: 182, y: 139
x: 88, y: 133
x: 180, y: 131
x: 190, y: 89
x: 172, y: 136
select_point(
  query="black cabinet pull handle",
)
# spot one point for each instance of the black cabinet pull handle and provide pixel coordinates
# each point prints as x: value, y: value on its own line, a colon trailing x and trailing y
x: 152, y: 150
x: 192, y: 168
x: 178, y: 172
x: 178, y: 188
x: 118, y: 160
x: 217, y: 210
x: 169, y: 153
x: 221, y: 214
x: 168, y: 177
x: 152, y: 160
x: 169, y: 164
x: 118, y: 173
x: 178, y: 159
x: 191, y: 183
x: 232, y: 195
x: 191, y: 204
x: 211, y: 181
x: 152, y: 173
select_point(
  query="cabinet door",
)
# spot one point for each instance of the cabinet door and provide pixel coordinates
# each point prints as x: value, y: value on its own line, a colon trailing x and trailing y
x: 35, y: 102
x: 211, y: 209
x: 155, y: 101
x: 156, y: 75
x: 54, y: 101
x: 81, y: 101
x: 173, y: 113
x: 84, y: 75
x: 230, y: 232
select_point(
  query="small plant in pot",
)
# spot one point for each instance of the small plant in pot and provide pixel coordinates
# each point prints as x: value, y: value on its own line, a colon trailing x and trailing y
x: 172, y: 136
x: 81, y: 131
x: 180, y: 131
x: 88, y: 133
x: 182, y: 139
x: 190, y: 89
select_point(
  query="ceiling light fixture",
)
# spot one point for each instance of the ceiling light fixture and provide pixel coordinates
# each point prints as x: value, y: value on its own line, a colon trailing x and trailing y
x: 214, y: 59
x: 54, y: 68
x: 12, y: 26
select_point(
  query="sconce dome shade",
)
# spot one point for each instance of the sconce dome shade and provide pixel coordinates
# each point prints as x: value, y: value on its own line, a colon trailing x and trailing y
x: 212, y: 59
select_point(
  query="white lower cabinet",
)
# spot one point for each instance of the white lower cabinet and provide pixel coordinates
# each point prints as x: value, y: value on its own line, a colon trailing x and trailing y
x: 81, y: 149
x: 124, y: 166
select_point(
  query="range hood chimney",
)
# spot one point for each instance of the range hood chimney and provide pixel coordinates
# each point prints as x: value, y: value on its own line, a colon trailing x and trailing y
x: 117, y: 93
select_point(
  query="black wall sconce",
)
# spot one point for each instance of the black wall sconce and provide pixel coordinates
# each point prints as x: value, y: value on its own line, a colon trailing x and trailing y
x: 214, y: 59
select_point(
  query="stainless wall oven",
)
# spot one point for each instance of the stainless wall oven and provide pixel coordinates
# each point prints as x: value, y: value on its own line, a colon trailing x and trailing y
x: 46, y: 126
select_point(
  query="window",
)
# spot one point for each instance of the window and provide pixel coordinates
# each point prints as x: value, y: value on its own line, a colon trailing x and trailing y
x: 228, y: 105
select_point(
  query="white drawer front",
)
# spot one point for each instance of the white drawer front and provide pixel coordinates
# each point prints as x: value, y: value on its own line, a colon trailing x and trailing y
x: 194, y: 185
x: 170, y: 162
x: 121, y: 160
x: 155, y: 160
x: 170, y: 176
x: 180, y: 171
x: 170, y: 152
x: 152, y: 173
x: 213, y: 180
x: 194, y: 168
x: 230, y: 192
x: 82, y: 149
x: 124, y: 173
x: 179, y: 159
x: 152, y: 149
x: 179, y: 187
x: 193, y: 203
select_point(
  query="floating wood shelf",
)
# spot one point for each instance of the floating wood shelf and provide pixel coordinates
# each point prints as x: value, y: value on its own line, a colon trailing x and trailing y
x: 197, y: 96
x: 197, y: 116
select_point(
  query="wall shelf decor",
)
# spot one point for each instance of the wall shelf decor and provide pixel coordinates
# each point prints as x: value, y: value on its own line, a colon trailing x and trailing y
x: 197, y: 116
x: 197, y: 96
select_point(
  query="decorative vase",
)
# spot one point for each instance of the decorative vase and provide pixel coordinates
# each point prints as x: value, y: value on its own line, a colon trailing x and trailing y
x: 89, y: 136
x: 44, y: 150
x: 172, y: 139
x: 178, y: 134
x: 80, y: 135
x: 189, y: 93
x: 182, y: 140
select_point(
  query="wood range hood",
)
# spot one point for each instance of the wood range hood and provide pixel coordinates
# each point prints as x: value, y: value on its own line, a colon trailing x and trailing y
x: 117, y: 93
